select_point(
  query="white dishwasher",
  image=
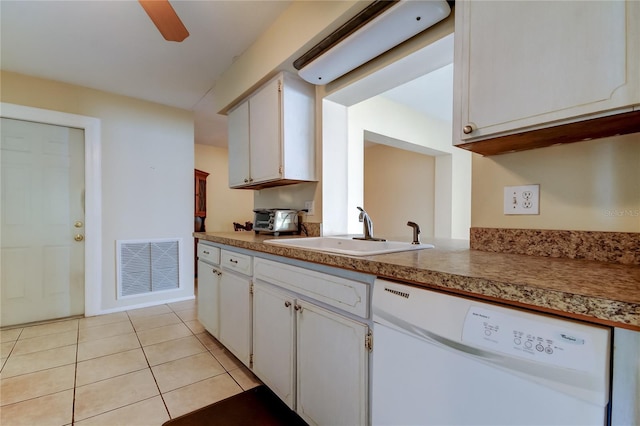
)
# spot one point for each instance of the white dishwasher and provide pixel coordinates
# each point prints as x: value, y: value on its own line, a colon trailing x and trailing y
x: 446, y: 360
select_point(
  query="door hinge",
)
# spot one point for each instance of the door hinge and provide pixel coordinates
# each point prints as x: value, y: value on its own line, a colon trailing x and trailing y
x: 251, y: 288
x: 279, y: 86
x: 251, y: 361
x: 280, y: 170
x: 368, y: 341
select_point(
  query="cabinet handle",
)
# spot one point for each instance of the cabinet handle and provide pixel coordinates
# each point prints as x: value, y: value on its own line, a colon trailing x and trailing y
x: 215, y: 271
x: 233, y: 261
x: 467, y: 129
x: 205, y: 252
x: 287, y: 304
x: 298, y: 308
x: 246, y: 180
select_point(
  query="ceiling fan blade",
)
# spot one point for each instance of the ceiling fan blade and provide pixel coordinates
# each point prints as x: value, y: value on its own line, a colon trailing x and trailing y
x: 166, y: 19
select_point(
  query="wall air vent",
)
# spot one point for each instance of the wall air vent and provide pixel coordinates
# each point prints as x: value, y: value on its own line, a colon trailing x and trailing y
x: 379, y: 27
x: 148, y: 266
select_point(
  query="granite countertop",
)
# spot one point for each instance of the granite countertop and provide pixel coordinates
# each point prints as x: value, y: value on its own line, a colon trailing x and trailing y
x: 599, y: 292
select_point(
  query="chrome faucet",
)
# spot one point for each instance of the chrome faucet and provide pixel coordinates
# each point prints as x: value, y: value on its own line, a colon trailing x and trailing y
x: 416, y: 232
x: 368, y: 227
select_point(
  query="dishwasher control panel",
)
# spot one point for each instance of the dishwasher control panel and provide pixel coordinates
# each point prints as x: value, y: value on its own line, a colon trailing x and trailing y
x: 550, y: 342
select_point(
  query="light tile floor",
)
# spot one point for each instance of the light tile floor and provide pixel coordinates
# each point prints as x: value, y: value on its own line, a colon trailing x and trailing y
x: 140, y: 367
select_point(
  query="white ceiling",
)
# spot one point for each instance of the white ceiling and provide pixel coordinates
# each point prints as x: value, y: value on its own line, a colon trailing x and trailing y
x: 113, y: 46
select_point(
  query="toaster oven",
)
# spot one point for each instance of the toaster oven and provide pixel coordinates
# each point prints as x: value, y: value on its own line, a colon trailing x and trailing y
x: 275, y: 221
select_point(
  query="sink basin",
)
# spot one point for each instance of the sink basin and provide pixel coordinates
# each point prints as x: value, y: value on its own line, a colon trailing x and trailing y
x: 344, y: 245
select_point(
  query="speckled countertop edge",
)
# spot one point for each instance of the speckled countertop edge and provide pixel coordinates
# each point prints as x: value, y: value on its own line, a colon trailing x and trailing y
x: 599, y: 292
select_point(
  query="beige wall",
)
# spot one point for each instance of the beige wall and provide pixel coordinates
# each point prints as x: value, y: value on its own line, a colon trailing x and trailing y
x: 590, y: 186
x: 147, y: 171
x: 224, y: 205
x: 419, y: 133
x: 297, y: 30
x: 399, y: 186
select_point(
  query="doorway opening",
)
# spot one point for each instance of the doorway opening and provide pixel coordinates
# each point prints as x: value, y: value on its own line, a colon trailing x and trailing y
x: 407, y: 105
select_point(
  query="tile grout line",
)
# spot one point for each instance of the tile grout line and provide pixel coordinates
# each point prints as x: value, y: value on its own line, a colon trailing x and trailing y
x: 149, y: 365
x: 78, y: 331
x: 75, y: 377
x: 15, y: 342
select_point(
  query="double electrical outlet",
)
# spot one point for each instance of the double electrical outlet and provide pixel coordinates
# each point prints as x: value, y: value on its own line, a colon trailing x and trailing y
x: 310, y: 207
x: 523, y: 199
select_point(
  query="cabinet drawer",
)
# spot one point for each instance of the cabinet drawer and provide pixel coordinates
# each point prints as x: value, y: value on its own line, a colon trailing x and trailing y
x: 208, y: 253
x: 349, y: 295
x: 237, y: 262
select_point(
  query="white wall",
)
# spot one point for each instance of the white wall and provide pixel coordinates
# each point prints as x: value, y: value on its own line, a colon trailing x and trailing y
x: 287, y: 197
x: 335, y: 168
x: 147, y: 186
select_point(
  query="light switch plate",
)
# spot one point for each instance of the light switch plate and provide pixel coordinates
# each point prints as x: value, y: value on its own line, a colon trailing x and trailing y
x: 523, y: 199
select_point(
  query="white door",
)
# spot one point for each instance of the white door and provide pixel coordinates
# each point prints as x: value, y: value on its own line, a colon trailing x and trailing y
x: 332, y: 367
x: 42, y: 196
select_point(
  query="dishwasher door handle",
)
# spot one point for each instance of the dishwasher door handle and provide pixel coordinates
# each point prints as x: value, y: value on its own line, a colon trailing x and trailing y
x: 550, y: 373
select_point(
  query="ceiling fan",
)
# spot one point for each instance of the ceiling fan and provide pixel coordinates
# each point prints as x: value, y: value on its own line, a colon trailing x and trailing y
x: 165, y: 19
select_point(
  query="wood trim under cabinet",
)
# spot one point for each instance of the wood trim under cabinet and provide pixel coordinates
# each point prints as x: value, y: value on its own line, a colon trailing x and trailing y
x: 596, y: 128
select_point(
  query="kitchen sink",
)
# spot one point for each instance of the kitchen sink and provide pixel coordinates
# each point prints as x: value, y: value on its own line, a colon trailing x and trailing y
x: 345, y: 245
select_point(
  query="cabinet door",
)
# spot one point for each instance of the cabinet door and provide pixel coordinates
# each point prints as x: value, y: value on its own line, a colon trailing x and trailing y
x: 235, y: 314
x: 208, y: 287
x: 273, y: 340
x: 332, y: 365
x: 265, y: 131
x: 528, y: 63
x: 238, y: 139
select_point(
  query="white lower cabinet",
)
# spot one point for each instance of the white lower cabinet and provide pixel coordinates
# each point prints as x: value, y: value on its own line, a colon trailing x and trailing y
x: 208, y: 295
x: 331, y: 367
x: 274, y: 340
x: 315, y: 359
x: 235, y: 305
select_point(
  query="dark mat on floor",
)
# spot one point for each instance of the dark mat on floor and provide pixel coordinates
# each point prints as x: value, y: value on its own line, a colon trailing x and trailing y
x: 255, y: 407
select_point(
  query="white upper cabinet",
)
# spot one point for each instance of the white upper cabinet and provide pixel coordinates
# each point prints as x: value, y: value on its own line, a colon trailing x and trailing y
x: 264, y: 132
x: 522, y: 66
x: 271, y: 135
x: 238, y: 132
